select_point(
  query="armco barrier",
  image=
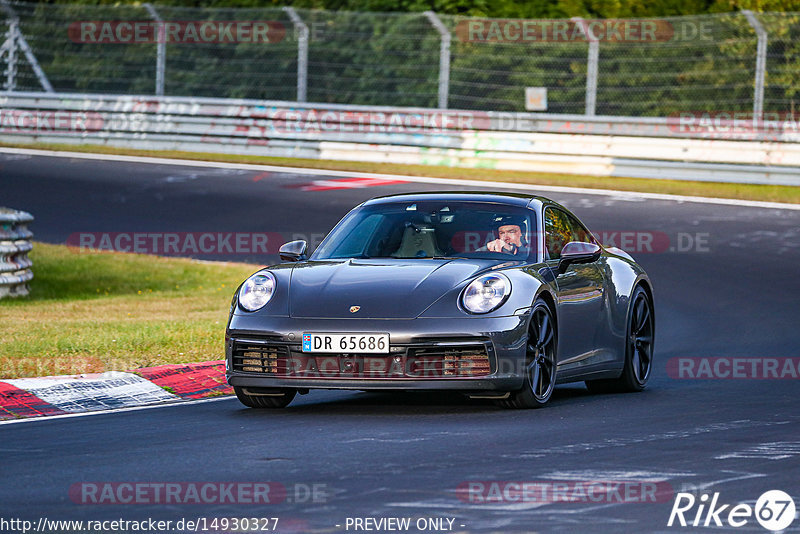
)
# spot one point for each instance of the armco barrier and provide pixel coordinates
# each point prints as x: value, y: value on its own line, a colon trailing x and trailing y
x: 15, y: 266
x: 603, y: 146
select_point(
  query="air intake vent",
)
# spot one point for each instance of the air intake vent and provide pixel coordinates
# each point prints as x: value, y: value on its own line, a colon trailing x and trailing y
x: 470, y: 360
x: 254, y: 358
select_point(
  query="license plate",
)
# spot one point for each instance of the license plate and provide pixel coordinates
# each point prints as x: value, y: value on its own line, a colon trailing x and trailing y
x: 348, y: 343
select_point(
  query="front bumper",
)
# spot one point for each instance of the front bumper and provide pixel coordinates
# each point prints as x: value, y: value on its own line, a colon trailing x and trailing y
x: 503, y: 339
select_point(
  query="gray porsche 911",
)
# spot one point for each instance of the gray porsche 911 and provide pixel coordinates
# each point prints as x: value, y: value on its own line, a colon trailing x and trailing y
x: 495, y: 295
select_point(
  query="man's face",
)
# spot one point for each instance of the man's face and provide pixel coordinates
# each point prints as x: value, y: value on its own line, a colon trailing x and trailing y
x: 511, y: 234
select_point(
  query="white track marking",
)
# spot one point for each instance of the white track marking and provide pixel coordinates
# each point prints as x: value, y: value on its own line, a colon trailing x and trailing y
x: 81, y: 393
x: 386, y: 440
x: 715, y: 483
x: 447, y: 504
x: 176, y: 402
x: 576, y: 448
x: 777, y: 450
x: 605, y: 475
x: 622, y: 195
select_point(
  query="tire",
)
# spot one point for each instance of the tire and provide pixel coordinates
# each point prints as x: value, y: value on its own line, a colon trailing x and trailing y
x: 265, y: 401
x: 540, y: 361
x: 639, y: 338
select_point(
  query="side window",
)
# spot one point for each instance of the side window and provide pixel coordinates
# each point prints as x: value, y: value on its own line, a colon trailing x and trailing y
x: 561, y: 228
x: 556, y: 232
x: 579, y: 232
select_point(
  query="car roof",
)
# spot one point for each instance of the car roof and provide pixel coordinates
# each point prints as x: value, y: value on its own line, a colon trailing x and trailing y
x: 516, y: 199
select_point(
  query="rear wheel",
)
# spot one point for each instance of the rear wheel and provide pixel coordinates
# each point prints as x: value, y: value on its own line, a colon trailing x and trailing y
x: 261, y: 398
x: 540, y: 361
x: 638, y: 349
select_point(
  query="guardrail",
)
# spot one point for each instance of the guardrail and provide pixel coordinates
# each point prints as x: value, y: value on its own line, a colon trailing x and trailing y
x: 15, y: 266
x: 713, y: 149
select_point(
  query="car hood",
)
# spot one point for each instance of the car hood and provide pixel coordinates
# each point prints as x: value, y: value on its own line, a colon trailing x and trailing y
x: 381, y: 288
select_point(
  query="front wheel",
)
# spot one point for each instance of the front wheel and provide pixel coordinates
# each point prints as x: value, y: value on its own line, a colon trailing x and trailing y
x: 259, y: 398
x: 540, y: 361
x: 638, y: 349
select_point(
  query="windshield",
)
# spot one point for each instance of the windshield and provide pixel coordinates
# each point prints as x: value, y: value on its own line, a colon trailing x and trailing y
x: 428, y: 229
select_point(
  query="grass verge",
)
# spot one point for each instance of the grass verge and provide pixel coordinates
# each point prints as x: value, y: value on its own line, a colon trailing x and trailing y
x: 94, y: 312
x: 769, y: 193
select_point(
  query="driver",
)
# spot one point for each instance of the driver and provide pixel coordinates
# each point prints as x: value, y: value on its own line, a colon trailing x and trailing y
x: 510, y: 237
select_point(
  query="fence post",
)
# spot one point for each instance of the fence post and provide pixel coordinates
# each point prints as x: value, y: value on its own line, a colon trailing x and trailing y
x: 444, y: 58
x: 302, y: 53
x: 761, y: 63
x: 161, y: 49
x: 22, y: 43
x: 10, y: 48
x: 592, y: 61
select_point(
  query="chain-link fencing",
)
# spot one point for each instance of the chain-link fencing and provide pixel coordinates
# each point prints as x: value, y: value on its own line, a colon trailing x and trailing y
x: 642, y: 67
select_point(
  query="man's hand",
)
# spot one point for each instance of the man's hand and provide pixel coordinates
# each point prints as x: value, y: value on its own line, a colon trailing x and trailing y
x: 498, y: 245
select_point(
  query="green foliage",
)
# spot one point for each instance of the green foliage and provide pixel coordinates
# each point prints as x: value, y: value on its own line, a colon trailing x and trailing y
x: 360, y: 53
x: 103, y: 311
x: 495, y: 8
x: 67, y: 274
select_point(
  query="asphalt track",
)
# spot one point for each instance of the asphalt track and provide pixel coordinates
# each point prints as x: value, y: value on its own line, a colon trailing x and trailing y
x: 403, y: 455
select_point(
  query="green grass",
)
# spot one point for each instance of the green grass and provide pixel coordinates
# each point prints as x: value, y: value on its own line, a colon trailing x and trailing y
x: 102, y: 311
x: 769, y: 193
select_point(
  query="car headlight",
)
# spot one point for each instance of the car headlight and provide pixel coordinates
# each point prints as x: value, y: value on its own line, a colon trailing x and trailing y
x: 486, y: 293
x: 257, y: 291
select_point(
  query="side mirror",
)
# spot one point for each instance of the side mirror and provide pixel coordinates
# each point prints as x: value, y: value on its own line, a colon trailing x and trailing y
x: 577, y: 252
x: 293, y: 251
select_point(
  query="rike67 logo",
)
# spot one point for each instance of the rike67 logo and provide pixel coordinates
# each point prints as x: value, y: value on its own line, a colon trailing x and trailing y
x: 774, y: 510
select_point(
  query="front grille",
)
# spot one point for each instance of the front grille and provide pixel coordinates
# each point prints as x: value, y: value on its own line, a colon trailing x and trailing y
x: 423, y: 361
x: 259, y: 358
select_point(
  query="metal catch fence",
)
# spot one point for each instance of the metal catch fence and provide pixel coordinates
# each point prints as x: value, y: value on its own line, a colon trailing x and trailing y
x: 734, y: 62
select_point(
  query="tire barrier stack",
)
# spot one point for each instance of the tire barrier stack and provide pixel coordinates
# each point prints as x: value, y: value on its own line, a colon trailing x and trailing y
x: 15, y: 266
